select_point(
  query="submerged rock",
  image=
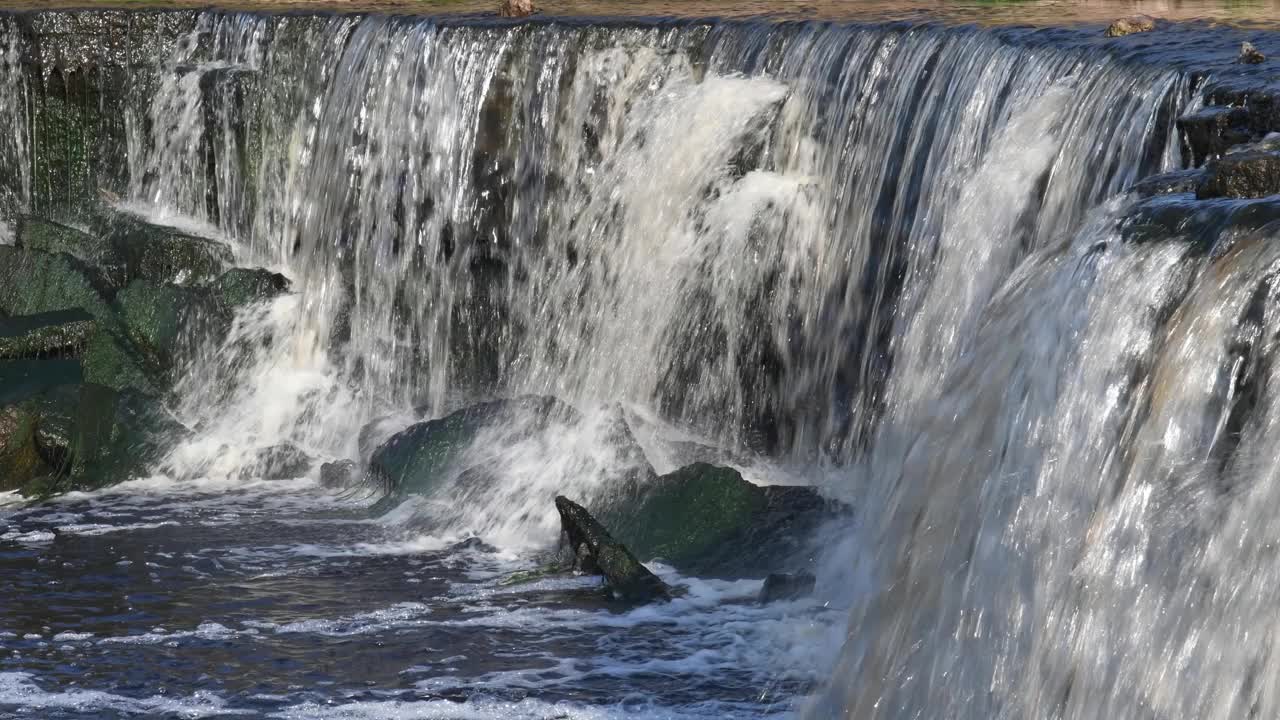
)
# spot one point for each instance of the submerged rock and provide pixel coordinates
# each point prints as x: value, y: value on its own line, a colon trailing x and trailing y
x: 419, y: 458
x: 35, y: 395
x: 1130, y: 25
x: 596, y: 550
x: 52, y: 334
x: 1250, y: 55
x: 1250, y: 174
x: 783, y: 586
x: 284, y: 461
x: 1213, y: 130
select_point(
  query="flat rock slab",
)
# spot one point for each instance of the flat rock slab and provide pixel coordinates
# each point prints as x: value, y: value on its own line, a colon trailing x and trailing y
x: 51, y: 334
x: 1250, y: 174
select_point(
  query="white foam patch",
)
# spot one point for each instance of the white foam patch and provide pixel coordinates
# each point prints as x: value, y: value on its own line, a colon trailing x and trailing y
x: 103, y: 529
x: 33, y: 536
x: 402, y: 615
x: 18, y: 689
x: 71, y: 636
x: 447, y: 710
x: 157, y: 636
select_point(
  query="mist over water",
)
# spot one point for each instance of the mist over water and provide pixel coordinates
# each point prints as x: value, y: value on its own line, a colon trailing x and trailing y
x: 896, y: 262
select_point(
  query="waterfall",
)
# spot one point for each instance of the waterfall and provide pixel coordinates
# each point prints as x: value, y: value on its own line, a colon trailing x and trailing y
x: 897, y: 259
x: 736, y: 225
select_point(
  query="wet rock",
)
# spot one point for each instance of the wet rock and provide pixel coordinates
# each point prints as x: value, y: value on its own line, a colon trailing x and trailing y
x: 284, y: 461
x: 784, y: 586
x: 1250, y: 55
x: 125, y: 248
x: 60, y: 433
x: 419, y: 458
x: 1206, y: 226
x: 161, y: 254
x: 1170, y: 183
x: 516, y: 8
x: 1130, y: 25
x: 1213, y: 130
x: 1252, y: 174
x: 44, y: 235
x: 169, y: 321
x: 34, y: 282
x: 118, y: 436
x: 340, y: 474
x: 594, y: 547
x: 707, y: 519
x: 33, y: 395
x: 241, y: 286
x: 58, y: 333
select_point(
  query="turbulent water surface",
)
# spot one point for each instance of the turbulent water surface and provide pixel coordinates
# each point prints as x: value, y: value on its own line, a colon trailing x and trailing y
x: 895, y: 261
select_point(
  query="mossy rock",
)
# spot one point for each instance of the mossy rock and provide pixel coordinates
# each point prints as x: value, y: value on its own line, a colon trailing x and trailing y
x: 683, y: 517
x: 113, y: 360
x: 118, y: 436
x: 162, y: 254
x: 238, y: 287
x: 420, y: 458
x: 168, y: 320
x: 125, y: 248
x: 37, y: 401
x: 53, y: 334
x: 33, y: 282
x: 49, y: 236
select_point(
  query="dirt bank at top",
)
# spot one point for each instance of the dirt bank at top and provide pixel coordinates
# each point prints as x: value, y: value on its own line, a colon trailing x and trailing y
x: 1034, y: 12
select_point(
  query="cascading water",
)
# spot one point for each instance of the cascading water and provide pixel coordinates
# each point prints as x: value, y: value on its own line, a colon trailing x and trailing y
x: 895, y: 261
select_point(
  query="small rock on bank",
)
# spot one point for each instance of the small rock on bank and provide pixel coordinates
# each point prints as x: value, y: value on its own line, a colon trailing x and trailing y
x: 1130, y: 25
x: 516, y: 8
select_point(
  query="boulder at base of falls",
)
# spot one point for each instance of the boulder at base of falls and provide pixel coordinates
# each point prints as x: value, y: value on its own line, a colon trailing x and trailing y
x: 1248, y: 174
x: 708, y: 520
x: 59, y: 432
x: 785, y: 586
x: 1130, y: 25
x: 339, y: 475
x: 284, y: 461
x: 421, y: 457
x: 595, y: 550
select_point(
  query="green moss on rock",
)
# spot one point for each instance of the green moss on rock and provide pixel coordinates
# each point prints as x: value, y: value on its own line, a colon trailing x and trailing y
x: 684, y: 517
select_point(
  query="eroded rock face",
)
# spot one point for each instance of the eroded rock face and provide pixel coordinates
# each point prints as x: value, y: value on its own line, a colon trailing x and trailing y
x: 595, y: 550
x: 1213, y: 130
x: 339, y: 474
x: 1249, y: 174
x: 1130, y: 25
